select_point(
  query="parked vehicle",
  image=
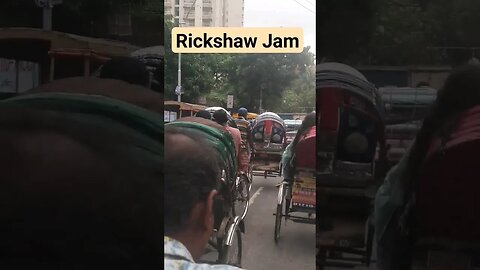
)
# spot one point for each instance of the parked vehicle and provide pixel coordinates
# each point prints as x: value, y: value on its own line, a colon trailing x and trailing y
x: 350, y: 127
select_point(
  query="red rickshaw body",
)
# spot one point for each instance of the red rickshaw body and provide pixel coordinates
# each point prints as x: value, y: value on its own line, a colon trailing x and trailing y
x: 304, y: 186
x: 269, y: 136
x: 448, y: 196
x: 350, y: 128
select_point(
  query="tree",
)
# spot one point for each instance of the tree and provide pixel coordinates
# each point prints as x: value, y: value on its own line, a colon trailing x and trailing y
x: 266, y: 76
x: 89, y: 17
x: 345, y: 27
x: 198, y: 71
x: 300, y: 96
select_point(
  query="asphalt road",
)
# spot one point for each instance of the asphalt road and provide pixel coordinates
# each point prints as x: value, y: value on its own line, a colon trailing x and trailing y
x: 296, y: 246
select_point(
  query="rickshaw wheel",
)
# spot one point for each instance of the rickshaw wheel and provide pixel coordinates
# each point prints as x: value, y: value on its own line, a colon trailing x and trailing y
x: 288, y: 194
x: 278, y: 223
x: 243, y: 193
x: 278, y: 220
x: 250, y: 174
x: 369, y: 241
x: 233, y: 255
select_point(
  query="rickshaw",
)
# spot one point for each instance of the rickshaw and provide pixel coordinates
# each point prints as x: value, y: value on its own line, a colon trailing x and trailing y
x: 226, y: 238
x: 350, y: 127
x: 299, y: 196
x: 269, y: 139
x: 53, y: 55
x: 175, y: 110
x: 245, y: 178
x: 405, y: 108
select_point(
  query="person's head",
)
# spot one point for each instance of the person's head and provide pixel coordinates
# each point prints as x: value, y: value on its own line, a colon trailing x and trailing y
x: 191, y: 180
x: 204, y: 114
x: 220, y: 116
x: 243, y: 112
x: 460, y: 92
x: 77, y: 192
x: 126, y: 69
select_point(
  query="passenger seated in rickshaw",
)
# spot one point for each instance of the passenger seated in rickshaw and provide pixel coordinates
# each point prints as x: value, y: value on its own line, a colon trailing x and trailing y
x: 288, y: 166
x: 192, y: 181
x: 247, y: 140
x: 220, y: 116
x: 398, y: 199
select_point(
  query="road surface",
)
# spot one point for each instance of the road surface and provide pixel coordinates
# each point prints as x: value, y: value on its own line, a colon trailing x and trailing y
x: 296, y: 246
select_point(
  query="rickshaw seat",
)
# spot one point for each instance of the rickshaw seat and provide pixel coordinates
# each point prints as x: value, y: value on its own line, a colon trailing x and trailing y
x: 448, y: 198
x: 305, y: 150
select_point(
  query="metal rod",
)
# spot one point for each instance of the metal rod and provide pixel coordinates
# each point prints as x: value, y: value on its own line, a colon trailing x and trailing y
x: 47, y: 18
x: 179, y: 77
x: 86, y: 67
x: 179, y: 73
x: 52, y: 68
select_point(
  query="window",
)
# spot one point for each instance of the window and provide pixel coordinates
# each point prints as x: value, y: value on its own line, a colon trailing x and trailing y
x: 177, y: 11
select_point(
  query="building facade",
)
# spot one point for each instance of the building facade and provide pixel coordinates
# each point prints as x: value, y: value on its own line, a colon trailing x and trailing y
x: 206, y: 13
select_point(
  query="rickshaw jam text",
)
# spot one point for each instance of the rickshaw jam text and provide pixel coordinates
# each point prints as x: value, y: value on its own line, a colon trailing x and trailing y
x: 225, y: 41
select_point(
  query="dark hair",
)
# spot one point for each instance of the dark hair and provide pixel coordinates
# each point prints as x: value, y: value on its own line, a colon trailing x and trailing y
x: 204, y: 114
x: 460, y: 92
x: 126, y: 69
x: 192, y: 173
x: 220, y: 116
x: 309, y: 121
x: 89, y: 198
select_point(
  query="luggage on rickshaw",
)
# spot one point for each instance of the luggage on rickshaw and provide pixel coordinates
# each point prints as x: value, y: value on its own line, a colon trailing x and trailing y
x: 299, y: 196
x: 226, y: 238
x: 405, y: 109
x: 448, y: 230
x: 350, y: 127
x: 269, y: 139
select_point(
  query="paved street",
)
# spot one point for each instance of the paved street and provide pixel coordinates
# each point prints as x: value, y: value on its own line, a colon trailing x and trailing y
x: 296, y: 246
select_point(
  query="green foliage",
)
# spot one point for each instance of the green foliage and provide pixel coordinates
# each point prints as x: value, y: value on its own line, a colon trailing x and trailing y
x: 398, y: 32
x: 89, y: 17
x: 199, y: 71
x: 245, y: 76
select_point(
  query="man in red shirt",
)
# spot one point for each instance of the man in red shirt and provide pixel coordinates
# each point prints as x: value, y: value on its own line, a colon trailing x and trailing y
x: 221, y: 117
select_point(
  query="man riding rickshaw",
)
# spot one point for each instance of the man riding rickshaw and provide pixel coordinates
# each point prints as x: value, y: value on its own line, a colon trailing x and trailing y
x: 247, y: 142
x: 228, y: 224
